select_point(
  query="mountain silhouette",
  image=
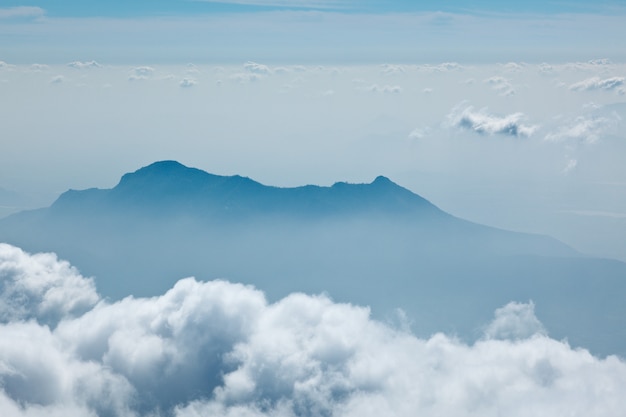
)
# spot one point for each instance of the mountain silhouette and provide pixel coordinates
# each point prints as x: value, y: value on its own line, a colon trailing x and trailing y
x: 170, y: 188
x: 375, y: 244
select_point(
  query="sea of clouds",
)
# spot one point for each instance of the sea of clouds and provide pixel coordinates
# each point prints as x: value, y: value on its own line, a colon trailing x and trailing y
x: 220, y: 349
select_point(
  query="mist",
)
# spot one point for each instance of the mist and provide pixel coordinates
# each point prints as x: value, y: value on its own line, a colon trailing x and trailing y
x: 290, y: 125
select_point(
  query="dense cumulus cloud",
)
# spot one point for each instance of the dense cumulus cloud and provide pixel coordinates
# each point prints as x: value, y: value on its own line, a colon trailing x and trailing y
x: 220, y: 349
x: 480, y: 121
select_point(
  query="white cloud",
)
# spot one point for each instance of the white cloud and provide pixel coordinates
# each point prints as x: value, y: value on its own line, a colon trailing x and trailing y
x: 443, y: 67
x: 21, y: 12
x: 465, y: 117
x: 596, y: 83
x: 83, y: 65
x: 141, y: 73
x: 41, y: 287
x: 220, y: 349
x: 392, y: 69
x: 501, y: 85
x: 513, y: 67
x: 6, y: 66
x: 39, y: 67
x: 57, y: 79
x: 583, y: 129
x: 255, y: 68
x: 514, y: 321
x: 188, y: 82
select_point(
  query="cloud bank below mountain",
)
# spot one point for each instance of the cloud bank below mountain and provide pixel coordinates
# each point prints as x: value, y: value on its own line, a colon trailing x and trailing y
x: 218, y: 348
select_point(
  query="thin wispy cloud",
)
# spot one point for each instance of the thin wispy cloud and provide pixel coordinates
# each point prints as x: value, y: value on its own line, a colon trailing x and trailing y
x: 597, y: 83
x: 585, y: 129
x: 21, y: 12
x: 502, y: 85
x: 291, y: 4
x: 383, y: 89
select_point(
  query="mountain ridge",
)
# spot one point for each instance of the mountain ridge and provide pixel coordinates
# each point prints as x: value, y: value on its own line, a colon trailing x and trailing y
x: 171, y: 185
x: 375, y: 244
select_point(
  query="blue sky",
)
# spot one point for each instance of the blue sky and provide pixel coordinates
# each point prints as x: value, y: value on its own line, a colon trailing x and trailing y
x: 320, y: 31
x: 118, y: 8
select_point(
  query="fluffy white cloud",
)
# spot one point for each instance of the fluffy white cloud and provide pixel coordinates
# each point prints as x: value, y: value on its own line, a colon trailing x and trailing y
x: 465, y: 117
x: 220, y: 349
x: 514, y: 321
x: 597, y: 83
x: 41, y: 287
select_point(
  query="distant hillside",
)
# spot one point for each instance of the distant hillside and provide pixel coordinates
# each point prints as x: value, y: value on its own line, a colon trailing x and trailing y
x: 377, y: 244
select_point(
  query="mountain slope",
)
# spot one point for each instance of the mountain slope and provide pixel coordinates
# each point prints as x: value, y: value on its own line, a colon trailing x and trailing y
x: 377, y: 244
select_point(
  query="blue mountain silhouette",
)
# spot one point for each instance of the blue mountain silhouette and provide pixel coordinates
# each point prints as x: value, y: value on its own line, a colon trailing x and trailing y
x: 376, y: 244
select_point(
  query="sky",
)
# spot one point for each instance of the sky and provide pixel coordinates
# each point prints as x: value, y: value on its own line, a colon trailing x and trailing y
x: 509, y: 114
x: 505, y: 113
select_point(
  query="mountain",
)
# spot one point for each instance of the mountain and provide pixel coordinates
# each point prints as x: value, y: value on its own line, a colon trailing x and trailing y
x: 377, y: 244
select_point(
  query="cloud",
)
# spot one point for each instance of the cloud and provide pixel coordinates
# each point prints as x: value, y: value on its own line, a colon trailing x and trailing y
x: 21, y: 12
x: 7, y: 66
x: 570, y: 166
x: 465, y: 117
x: 304, y: 4
x: 513, y: 66
x: 188, y: 82
x: 217, y: 348
x: 392, y: 69
x: 419, y: 133
x: 57, y: 79
x: 514, y: 321
x: 384, y: 89
x: 501, y: 85
x: 443, y: 67
x: 583, y: 129
x: 596, y: 83
x: 84, y: 65
x: 244, y: 78
x: 140, y: 73
x: 255, y: 68
x: 39, y: 67
x: 41, y: 287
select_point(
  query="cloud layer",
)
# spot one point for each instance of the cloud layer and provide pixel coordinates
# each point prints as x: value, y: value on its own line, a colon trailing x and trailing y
x: 220, y: 349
